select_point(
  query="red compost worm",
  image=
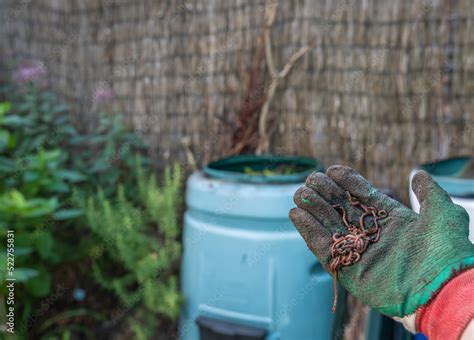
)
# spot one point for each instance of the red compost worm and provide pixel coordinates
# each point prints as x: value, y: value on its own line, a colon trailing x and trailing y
x: 347, y: 249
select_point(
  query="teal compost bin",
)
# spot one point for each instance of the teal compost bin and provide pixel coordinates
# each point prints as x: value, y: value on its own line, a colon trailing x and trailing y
x: 247, y: 273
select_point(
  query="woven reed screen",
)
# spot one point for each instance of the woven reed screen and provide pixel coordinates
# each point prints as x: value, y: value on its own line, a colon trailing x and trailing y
x: 384, y: 85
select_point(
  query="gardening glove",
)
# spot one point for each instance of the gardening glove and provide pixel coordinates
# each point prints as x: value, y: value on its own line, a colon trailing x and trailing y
x: 414, y: 255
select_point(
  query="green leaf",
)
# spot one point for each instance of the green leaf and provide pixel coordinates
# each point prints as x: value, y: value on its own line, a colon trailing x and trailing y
x: 7, y: 165
x: 67, y: 214
x: 4, y: 138
x: 51, y: 155
x: 22, y: 251
x: 39, y: 141
x: 59, y: 186
x: 39, y: 285
x: 40, y: 207
x: 69, y: 130
x: 4, y: 108
x: 96, y: 139
x: 24, y: 274
x: 12, y: 141
x: 99, y: 166
x: 44, y: 244
x: 24, y: 107
x: 14, y: 205
x: 79, y: 139
x: 16, y: 121
x: 14, y: 199
x: 60, y: 108
x: 71, y: 175
x: 30, y: 176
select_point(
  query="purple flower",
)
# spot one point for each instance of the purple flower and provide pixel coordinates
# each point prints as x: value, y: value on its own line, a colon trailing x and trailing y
x: 102, y: 95
x: 29, y: 72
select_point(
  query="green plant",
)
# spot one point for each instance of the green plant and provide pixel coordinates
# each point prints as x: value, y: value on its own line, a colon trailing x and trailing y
x: 37, y: 121
x: 107, y: 155
x: 35, y: 181
x: 40, y: 163
x: 141, y: 238
x: 44, y: 161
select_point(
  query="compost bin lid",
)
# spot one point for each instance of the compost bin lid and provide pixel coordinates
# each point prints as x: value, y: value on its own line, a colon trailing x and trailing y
x: 263, y: 169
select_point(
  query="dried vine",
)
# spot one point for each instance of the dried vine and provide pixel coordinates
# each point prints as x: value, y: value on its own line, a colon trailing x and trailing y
x: 347, y: 249
x: 264, y: 138
x: 253, y: 89
x: 253, y: 115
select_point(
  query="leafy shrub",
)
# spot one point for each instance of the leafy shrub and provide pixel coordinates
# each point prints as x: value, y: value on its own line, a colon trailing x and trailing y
x: 44, y: 162
x: 141, y: 238
x: 34, y: 179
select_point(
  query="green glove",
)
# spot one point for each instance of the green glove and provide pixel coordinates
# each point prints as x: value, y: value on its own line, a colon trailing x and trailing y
x: 414, y: 255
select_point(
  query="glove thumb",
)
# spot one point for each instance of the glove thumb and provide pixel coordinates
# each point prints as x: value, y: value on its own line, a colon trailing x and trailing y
x: 429, y: 193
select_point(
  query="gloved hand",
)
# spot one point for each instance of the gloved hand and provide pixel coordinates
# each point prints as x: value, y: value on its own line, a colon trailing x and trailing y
x: 415, y: 253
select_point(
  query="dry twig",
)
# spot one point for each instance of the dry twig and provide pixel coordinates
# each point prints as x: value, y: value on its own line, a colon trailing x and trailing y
x: 264, y: 138
x: 186, y: 141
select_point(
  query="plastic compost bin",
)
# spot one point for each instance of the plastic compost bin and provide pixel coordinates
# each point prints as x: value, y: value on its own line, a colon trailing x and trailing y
x: 247, y: 273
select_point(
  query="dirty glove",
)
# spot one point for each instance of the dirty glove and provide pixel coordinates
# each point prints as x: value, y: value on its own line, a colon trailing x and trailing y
x: 413, y: 255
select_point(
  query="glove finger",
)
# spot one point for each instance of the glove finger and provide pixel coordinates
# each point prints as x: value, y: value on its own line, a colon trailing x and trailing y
x: 350, y: 180
x: 307, y: 199
x: 428, y: 192
x: 333, y: 194
x: 316, y: 236
x: 326, y: 188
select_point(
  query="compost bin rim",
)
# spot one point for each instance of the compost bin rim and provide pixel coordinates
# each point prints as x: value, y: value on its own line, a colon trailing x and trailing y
x: 217, y: 169
x: 427, y: 166
x: 449, y: 179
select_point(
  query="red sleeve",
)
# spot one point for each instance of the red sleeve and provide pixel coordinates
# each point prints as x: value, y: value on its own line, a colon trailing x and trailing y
x: 449, y: 313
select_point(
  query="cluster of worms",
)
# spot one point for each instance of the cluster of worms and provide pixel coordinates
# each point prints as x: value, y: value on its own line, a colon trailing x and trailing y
x: 347, y: 249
